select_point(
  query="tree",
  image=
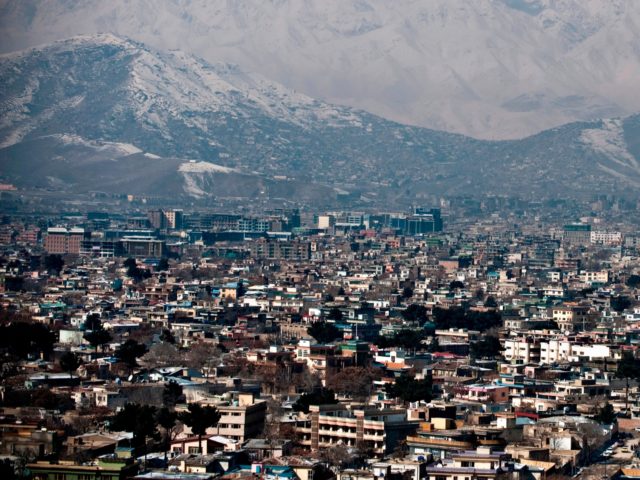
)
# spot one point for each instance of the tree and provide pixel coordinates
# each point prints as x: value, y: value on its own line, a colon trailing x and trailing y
x: 138, y: 419
x: 629, y: 369
x: 162, y: 355
x: 129, y: 351
x: 434, y: 345
x: 93, y: 322
x: 487, y: 347
x: 200, y: 418
x: 134, y: 272
x: 95, y: 333
x: 409, y: 389
x: 446, y: 318
x: 456, y: 284
x: 606, y: 415
x: 53, y: 263
x: 166, y: 419
x: 45, y: 398
x: 203, y: 355
x: 22, y: 339
x: 338, y: 456
x: 335, y: 314
x: 490, y: 302
x: 69, y: 362
x: 272, y: 425
x: 7, y: 470
x: 163, y: 264
x: 620, y: 303
x: 167, y: 337
x: 129, y: 263
x: 407, y: 292
x: 406, y: 338
x: 415, y: 313
x: 98, y: 338
x: 354, y: 381
x: 321, y: 396
x: 633, y: 281
x: 324, y: 332
x: 241, y: 290
x: 171, y: 394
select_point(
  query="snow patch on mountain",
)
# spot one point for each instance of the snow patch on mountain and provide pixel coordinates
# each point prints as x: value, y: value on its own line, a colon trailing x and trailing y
x: 609, y: 140
x: 197, y: 175
x: 204, y: 167
x: 192, y: 186
x: 115, y: 148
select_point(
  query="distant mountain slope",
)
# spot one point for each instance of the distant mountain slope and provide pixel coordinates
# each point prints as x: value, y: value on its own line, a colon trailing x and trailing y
x: 74, y: 111
x: 491, y: 69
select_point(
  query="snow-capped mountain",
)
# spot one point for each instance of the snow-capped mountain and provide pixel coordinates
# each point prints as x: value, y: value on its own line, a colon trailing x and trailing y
x: 118, y: 84
x: 486, y: 68
x: 110, y: 114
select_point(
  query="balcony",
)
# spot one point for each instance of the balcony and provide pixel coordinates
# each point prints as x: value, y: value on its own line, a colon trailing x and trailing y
x: 337, y: 433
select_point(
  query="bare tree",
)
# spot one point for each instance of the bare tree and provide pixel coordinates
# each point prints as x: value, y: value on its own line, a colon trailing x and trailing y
x: 337, y: 456
x: 162, y: 355
x: 202, y: 355
x: 354, y: 381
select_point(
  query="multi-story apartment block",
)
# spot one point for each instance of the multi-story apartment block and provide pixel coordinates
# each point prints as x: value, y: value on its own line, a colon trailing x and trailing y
x: 523, y: 350
x: 557, y: 351
x: 63, y: 241
x: 281, y: 250
x: 247, y: 224
x: 600, y: 237
x: 138, y: 246
x: 156, y: 218
x: 600, y: 276
x: 241, y: 419
x: 162, y: 219
x: 572, y: 317
x: 577, y: 234
x: 374, y: 430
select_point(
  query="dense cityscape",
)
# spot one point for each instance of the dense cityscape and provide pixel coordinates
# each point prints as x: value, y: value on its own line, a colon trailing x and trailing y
x: 490, y: 339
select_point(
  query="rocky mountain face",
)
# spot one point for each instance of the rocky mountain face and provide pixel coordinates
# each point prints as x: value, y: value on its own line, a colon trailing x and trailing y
x: 104, y: 113
x: 492, y: 69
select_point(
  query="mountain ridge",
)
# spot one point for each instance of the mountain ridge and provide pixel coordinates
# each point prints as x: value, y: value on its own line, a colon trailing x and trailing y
x: 175, y: 106
x: 488, y: 68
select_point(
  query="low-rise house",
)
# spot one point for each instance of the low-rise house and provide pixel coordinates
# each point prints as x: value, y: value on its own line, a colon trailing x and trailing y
x: 104, y: 470
x: 482, y: 463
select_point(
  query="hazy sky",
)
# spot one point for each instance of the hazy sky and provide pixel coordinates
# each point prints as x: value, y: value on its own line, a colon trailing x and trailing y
x: 493, y: 69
